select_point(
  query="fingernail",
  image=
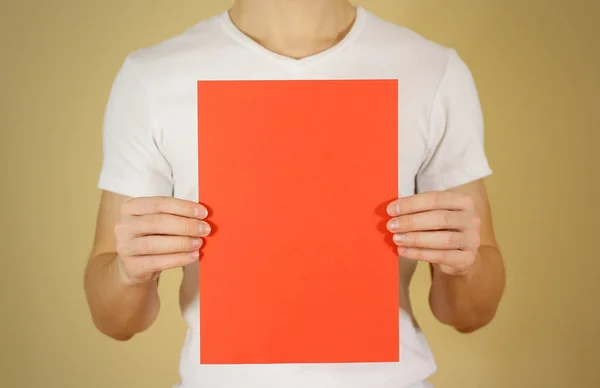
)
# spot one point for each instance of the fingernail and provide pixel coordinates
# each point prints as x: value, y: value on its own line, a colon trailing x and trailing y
x: 393, y: 209
x: 196, y: 243
x: 194, y: 255
x: 201, y: 212
x: 399, y: 238
x: 393, y: 224
x: 204, y: 228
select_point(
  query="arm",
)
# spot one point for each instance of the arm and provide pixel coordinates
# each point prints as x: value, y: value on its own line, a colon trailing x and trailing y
x: 122, y: 297
x: 452, y: 231
x: 448, y: 222
x: 137, y: 239
x: 469, y: 301
x: 119, y: 308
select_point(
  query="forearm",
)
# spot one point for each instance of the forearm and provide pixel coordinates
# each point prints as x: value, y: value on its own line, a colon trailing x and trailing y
x: 118, y: 309
x: 468, y: 302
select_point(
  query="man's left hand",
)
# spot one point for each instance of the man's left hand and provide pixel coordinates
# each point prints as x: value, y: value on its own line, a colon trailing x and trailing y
x: 440, y: 228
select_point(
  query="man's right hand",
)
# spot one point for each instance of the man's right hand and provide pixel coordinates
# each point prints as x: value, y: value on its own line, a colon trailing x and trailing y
x: 158, y: 233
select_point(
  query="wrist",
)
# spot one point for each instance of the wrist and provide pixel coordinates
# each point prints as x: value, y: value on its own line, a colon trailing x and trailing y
x: 125, y: 280
x: 468, y: 301
x: 135, y: 304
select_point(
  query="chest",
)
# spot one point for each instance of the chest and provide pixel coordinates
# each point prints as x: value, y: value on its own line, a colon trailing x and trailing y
x: 178, y: 143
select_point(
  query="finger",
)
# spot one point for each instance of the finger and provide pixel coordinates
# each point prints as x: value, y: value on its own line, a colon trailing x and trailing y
x: 159, y: 245
x: 429, y: 221
x: 167, y: 224
x: 451, y: 258
x: 435, y: 200
x: 140, y: 266
x: 164, y: 205
x: 432, y: 240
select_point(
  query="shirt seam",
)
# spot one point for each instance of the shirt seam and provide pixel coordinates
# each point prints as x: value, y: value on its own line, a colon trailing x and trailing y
x: 138, y: 73
x: 455, y: 177
x: 436, y: 95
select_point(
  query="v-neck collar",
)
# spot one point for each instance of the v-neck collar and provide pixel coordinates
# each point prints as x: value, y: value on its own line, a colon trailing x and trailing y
x: 244, y: 39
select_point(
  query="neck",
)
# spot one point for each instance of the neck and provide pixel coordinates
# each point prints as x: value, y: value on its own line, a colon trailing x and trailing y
x: 294, y: 28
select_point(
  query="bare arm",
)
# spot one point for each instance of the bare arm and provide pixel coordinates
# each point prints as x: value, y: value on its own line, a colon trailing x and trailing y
x: 470, y: 301
x: 119, y: 309
x: 452, y: 231
x: 135, y: 240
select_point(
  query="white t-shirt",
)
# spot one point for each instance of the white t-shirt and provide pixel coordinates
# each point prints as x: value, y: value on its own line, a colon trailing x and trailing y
x: 150, y: 149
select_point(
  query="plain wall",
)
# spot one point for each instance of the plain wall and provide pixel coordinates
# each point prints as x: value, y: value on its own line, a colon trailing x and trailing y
x: 537, y: 67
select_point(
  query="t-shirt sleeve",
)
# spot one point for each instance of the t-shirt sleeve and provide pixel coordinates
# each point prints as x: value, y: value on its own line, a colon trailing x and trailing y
x: 455, y: 153
x: 133, y: 165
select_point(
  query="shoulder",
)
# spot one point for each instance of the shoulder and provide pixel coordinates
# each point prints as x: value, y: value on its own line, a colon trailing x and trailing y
x: 424, y: 60
x: 193, y: 47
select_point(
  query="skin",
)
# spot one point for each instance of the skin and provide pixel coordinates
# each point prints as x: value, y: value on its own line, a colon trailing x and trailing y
x: 453, y: 232
x: 138, y: 238
x: 294, y: 28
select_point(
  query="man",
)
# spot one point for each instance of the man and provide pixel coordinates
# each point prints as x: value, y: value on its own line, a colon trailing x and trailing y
x: 149, y: 222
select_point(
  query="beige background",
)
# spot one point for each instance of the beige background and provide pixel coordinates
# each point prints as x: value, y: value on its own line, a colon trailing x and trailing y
x: 537, y: 65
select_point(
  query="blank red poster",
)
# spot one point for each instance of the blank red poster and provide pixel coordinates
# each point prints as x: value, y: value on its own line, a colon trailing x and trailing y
x: 296, y: 176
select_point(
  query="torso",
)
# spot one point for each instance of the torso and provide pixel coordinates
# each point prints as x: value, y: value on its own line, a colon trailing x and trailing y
x: 215, y: 49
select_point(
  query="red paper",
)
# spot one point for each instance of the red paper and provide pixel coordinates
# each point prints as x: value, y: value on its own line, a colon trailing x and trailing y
x: 296, y: 176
